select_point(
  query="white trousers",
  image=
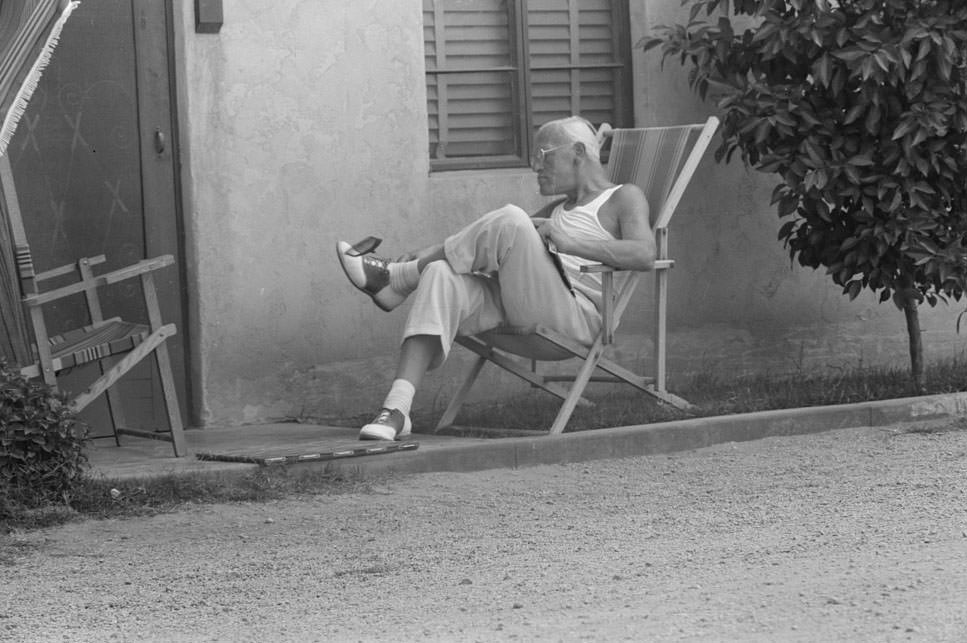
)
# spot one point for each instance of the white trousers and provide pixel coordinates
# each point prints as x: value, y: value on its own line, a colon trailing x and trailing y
x: 497, y: 272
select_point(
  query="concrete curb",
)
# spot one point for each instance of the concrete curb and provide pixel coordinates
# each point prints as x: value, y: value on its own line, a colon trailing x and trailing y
x: 650, y: 439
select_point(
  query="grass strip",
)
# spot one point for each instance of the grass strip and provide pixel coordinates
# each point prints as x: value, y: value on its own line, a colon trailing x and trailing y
x: 713, y: 394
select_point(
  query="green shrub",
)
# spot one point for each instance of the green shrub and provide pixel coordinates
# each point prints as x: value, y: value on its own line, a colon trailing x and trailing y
x: 41, y: 442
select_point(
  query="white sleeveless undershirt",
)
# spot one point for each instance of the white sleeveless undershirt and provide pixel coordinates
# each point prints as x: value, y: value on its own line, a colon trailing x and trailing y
x: 581, y: 222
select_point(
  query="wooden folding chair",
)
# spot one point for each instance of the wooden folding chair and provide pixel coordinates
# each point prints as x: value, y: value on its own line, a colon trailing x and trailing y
x: 114, y: 344
x: 660, y: 160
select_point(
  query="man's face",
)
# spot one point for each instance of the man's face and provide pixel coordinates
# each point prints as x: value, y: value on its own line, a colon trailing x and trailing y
x: 553, y: 160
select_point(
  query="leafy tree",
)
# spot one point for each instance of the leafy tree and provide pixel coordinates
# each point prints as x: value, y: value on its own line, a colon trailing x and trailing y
x: 860, y: 107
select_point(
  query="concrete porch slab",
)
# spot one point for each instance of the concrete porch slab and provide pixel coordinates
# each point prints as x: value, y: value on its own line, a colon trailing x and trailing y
x: 138, y: 458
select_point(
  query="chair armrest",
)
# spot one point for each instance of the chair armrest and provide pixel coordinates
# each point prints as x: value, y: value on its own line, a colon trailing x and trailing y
x: 660, y: 264
x: 70, y: 268
x: 598, y: 267
x: 607, y: 291
x: 121, y: 274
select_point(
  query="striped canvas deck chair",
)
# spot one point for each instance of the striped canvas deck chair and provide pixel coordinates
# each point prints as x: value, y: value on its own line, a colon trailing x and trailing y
x: 660, y: 160
x: 29, y: 30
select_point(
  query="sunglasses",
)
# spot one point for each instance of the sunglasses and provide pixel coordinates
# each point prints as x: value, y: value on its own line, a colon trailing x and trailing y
x: 537, y: 158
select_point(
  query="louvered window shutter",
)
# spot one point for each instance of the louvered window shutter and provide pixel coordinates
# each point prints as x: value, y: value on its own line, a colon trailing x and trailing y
x: 484, y: 103
x: 472, y: 78
x: 575, y: 65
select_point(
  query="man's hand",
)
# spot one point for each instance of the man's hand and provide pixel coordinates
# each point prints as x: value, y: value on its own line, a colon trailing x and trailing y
x: 549, y: 232
x: 555, y: 238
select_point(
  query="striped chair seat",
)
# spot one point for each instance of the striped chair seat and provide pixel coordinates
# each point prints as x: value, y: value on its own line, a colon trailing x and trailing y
x: 524, y: 341
x: 92, y: 343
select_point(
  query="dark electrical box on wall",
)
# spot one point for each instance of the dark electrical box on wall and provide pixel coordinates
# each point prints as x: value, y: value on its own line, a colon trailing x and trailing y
x: 208, y: 16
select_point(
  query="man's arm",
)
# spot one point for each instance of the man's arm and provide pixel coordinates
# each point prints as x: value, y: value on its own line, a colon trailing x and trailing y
x: 626, y: 216
x: 435, y: 252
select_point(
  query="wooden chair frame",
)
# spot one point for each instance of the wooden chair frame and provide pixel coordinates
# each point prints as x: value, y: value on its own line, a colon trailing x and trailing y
x: 664, y: 182
x: 124, y: 343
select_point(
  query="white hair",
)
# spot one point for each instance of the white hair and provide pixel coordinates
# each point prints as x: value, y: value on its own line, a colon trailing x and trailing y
x: 577, y: 129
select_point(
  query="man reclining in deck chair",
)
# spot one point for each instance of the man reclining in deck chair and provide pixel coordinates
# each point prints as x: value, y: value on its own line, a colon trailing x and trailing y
x: 498, y: 270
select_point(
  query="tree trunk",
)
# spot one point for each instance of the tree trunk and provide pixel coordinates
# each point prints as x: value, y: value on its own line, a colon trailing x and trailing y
x: 910, y: 304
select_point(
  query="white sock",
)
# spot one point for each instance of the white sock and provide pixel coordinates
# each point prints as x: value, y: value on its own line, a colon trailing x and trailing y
x: 400, y: 396
x: 404, y: 276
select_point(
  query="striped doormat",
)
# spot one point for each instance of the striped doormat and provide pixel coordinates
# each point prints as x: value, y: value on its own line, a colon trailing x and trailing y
x: 353, y: 450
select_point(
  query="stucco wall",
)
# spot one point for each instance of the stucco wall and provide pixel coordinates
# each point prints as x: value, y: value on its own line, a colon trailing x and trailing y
x: 304, y: 122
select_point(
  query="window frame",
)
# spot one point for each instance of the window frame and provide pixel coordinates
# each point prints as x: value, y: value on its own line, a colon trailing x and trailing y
x: 522, y: 101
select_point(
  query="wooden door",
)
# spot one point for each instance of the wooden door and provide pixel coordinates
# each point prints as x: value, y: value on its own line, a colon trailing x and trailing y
x: 93, y: 162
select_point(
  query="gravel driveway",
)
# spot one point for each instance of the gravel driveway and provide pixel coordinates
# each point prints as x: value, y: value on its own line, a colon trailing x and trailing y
x: 846, y: 535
